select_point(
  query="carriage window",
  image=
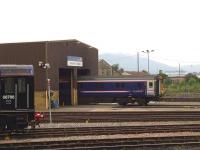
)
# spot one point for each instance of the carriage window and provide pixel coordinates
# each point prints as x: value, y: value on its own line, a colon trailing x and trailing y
x: 81, y: 85
x: 9, y: 85
x: 21, y: 85
x: 119, y: 85
x: 150, y: 84
x: 99, y: 85
x: 122, y: 85
x: 139, y: 85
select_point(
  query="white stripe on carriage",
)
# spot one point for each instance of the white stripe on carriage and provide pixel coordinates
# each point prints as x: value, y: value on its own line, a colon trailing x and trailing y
x: 105, y: 91
x: 114, y: 81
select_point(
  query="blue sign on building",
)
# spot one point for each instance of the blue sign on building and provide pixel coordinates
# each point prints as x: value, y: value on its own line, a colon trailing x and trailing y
x: 74, y: 61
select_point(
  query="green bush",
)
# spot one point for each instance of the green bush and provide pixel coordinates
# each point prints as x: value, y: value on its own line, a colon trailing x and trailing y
x: 192, y: 81
x: 191, y: 84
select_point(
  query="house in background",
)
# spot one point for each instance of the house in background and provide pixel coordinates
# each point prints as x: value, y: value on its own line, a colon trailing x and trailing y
x: 177, y: 79
x: 106, y: 70
x: 135, y: 73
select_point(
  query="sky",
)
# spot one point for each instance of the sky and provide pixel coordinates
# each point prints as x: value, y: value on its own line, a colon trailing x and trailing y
x: 169, y: 27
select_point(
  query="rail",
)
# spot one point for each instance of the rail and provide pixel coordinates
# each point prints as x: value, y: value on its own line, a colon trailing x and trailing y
x: 86, y: 131
x: 120, y: 143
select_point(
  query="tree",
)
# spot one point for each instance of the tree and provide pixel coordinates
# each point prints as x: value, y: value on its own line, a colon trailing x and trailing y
x: 115, y: 67
x: 190, y: 76
x: 121, y: 70
x: 163, y: 75
x: 144, y: 71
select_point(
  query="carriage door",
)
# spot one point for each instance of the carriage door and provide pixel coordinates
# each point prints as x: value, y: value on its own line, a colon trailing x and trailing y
x: 22, y: 93
x: 150, y: 88
x: 157, y: 87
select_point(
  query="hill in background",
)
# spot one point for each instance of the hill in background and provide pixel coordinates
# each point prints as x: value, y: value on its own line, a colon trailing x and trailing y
x: 129, y: 63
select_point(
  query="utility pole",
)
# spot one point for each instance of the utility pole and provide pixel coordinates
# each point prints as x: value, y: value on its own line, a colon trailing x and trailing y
x: 49, y: 99
x: 45, y: 65
x: 179, y: 69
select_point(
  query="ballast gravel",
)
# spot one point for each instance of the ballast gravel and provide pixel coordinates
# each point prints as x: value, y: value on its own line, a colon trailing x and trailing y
x: 106, y: 124
x: 142, y: 135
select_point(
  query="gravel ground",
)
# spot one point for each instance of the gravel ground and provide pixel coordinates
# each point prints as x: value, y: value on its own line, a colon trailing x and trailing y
x: 143, y: 135
x: 121, y: 109
x: 113, y: 107
x: 72, y: 125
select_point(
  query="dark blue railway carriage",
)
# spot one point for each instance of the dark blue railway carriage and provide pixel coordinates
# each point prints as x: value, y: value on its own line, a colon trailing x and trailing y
x: 16, y: 96
x: 120, y: 90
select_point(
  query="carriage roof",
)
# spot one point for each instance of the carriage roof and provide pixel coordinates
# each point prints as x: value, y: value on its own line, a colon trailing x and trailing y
x: 15, y: 70
x: 116, y: 78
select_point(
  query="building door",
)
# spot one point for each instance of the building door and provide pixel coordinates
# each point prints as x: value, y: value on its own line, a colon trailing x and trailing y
x: 65, y: 86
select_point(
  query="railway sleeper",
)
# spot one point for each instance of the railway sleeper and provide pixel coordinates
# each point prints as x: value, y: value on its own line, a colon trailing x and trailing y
x: 72, y: 145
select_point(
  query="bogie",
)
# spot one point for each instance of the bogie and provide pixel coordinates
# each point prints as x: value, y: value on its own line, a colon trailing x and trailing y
x: 142, y: 102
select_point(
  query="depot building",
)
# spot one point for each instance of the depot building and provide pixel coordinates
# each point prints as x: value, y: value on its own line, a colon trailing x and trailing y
x: 55, y: 63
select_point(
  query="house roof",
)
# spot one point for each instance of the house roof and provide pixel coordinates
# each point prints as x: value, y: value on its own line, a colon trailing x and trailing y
x: 53, y: 41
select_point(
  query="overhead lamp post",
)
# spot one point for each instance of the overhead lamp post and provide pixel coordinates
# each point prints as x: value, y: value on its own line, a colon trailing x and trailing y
x: 138, y: 63
x: 46, y: 66
x: 147, y: 52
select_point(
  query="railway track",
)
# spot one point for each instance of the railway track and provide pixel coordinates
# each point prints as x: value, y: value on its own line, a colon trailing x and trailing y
x: 158, y: 106
x: 86, y: 131
x: 180, y: 99
x: 123, y: 116
x: 181, y: 142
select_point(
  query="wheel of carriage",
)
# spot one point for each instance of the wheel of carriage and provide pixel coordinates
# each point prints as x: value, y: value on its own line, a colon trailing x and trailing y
x: 142, y: 102
x: 122, y: 103
x: 2, y: 124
